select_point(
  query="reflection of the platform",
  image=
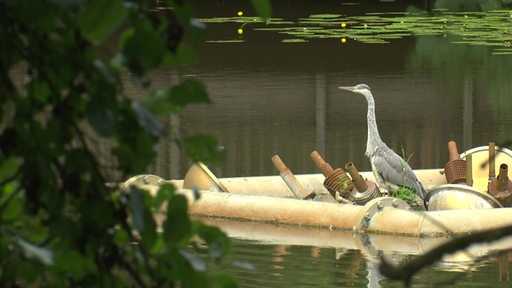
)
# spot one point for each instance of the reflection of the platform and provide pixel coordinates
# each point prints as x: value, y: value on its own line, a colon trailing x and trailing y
x: 372, y: 246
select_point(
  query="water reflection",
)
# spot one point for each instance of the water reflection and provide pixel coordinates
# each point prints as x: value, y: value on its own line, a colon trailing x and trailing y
x: 306, y: 257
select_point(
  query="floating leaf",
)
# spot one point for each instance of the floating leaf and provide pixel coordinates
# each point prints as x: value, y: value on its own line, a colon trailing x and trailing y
x: 226, y: 41
x: 325, y: 16
x: 296, y: 40
x: 477, y: 28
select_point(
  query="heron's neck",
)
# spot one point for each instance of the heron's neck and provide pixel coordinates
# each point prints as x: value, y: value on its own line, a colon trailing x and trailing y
x: 373, y: 131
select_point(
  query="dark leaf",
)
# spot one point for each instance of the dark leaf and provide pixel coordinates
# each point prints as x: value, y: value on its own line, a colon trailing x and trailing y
x: 177, y: 227
x: 74, y: 264
x: 137, y: 208
x: 100, y: 18
x: 187, y: 92
x: 170, y: 100
x: 164, y: 193
x: 204, y: 148
x: 197, y: 263
x: 101, y: 118
x: 54, y: 136
x: 144, y: 48
x: 263, y: 8
x: 217, y: 241
x: 12, y: 204
x: 104, y: 70
x: 147, y: 120
x: 225, y: 281
x: 149, y: 235
x: 135, y: 151
x: 41, y: 254
x: 183, y: 56
x: 8, y: 167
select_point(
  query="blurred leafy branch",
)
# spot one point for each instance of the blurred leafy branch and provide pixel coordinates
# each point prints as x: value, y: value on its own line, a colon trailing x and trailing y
x: 63, y: 69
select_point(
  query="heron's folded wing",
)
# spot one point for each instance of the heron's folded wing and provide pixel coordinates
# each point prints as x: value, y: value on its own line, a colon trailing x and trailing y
x: 394, y: 169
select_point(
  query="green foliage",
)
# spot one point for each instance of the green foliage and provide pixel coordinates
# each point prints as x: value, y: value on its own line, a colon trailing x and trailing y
x: 404, y: 193
x: 263, y: 8
x: 169, y: 100
x: 60, y: 224
x: 203, y: 147
x: 99, y: 19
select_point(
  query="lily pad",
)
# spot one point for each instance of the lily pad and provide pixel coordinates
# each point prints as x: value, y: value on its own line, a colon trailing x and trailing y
x: 475, y: 28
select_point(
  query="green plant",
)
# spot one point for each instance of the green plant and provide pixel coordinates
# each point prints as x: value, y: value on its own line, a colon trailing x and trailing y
x: 404, y: 193
x: 344, y: 181
x: 67, y: 127
x: 405, y: 163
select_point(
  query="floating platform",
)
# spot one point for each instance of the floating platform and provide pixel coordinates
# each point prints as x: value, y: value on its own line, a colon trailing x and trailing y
x: 268, y: 199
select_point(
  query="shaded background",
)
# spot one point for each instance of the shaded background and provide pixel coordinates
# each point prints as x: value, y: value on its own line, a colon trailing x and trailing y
x: 281, y: 98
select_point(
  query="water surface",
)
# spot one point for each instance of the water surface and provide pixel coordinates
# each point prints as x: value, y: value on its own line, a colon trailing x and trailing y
x: 268, y: 255
x: 274, y: 97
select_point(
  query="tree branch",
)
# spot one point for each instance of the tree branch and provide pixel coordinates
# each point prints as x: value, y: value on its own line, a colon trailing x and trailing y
x: 407, y: 271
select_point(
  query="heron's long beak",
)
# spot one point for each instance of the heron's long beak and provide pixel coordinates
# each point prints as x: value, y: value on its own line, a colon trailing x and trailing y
x: 348, y: 88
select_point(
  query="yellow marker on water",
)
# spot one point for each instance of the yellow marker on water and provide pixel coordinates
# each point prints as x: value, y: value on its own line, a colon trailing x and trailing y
x: 240, y: 31
x: 343, y: 25
x: 240, y: 13
x: 343, y: 40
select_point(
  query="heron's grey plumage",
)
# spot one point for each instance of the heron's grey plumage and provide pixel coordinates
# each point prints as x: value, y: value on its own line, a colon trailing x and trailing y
x: 391, y: 171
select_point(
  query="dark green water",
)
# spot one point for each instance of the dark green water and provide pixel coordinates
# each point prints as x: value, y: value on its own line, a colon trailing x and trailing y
x: 274, y: 97
x: 310, y: 266
x: 267, y: 255
x: 280, y: 97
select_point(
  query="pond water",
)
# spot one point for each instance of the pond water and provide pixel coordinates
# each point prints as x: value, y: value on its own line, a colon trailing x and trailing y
x: 271, y: 96
x: 266, y: 255
x: 435, y: 76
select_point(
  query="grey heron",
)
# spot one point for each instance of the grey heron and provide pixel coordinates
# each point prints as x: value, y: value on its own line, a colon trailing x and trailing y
x: 391, y: 171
